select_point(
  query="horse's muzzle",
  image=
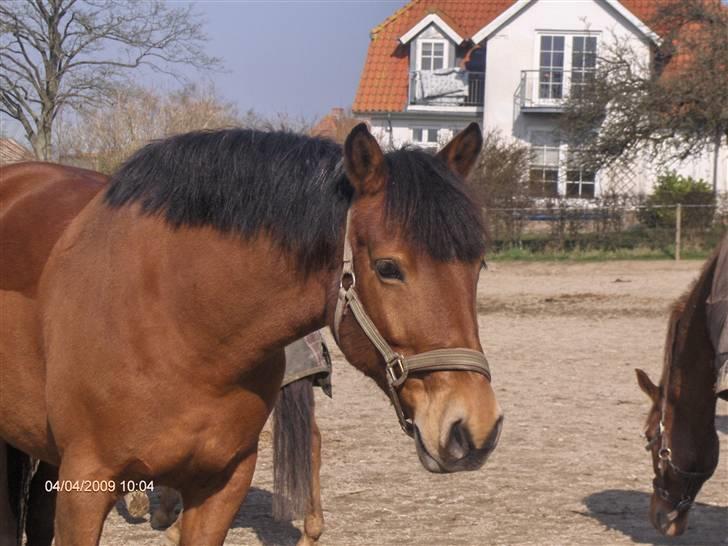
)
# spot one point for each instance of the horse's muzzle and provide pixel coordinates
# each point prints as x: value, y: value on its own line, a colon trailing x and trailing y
x: 458, y: 453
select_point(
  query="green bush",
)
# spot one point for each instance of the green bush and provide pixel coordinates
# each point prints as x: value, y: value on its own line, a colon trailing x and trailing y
x: 673, y: 189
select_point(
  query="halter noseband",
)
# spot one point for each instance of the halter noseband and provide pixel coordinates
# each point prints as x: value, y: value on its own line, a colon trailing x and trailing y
x: 694, y: 479
x: 398, y: 366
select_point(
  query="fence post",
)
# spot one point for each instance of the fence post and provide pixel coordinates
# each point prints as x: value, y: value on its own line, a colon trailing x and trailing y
x: 678, y: 229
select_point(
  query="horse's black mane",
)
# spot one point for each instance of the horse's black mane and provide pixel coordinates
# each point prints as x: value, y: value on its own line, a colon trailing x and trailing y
x: 294, y: 188
x: 682, y: 314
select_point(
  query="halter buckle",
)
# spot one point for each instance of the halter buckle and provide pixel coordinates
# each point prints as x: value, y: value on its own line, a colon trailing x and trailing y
x: 664, y: 454
x: 396, y: 371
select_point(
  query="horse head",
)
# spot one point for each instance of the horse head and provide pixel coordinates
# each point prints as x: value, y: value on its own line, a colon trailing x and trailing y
x: 415, y: 247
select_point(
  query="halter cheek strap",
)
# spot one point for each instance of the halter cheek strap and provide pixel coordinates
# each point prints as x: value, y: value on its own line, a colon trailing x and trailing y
x: 694, y: 480
x: 398, y: 367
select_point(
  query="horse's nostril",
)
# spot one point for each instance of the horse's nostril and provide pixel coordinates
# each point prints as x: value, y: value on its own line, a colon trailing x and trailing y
x: 458, y: 444
x: 662, y: 521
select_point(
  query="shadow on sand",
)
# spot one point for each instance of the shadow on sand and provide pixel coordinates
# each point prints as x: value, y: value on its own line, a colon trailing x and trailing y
x: 257, y: 514
x: 627, y: 512
x: 721, y: 423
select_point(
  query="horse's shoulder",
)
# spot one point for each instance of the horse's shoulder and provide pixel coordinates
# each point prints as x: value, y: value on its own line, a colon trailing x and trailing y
x: 37, y: 202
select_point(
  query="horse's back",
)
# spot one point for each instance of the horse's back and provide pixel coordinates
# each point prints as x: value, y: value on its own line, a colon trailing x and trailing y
x: 37, y: 202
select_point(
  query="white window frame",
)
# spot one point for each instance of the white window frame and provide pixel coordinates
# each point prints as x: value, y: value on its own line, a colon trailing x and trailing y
x: 559, y: 146
x: 568, y: 36
x: 562, y: 166
x: 425, y: 134
x: 433, y: 41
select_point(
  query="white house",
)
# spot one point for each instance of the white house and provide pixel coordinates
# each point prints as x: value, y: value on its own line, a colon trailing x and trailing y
x: 436, y: 65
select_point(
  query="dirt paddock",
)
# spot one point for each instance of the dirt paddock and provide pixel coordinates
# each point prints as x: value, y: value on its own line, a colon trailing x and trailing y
x: 570, y: 469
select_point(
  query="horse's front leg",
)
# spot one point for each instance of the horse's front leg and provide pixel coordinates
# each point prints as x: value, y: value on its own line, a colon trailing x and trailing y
x: 42, y: 506
x: 206, y: 517
x: 8, y: 520
x: 313, y: 524
x: 81, y: 506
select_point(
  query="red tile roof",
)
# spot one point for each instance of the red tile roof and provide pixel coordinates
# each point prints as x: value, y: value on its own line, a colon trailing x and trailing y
x: 384, y: 82
x: 335, y: 125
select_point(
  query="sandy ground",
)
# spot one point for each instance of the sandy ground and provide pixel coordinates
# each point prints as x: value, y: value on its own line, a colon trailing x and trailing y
x: 570, y: 469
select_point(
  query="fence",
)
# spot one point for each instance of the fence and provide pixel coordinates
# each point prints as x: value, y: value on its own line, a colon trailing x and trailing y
x: 672, y: 230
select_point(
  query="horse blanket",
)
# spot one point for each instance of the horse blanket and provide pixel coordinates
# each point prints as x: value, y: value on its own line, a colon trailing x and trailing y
x: 717, y: 319
x: 309, y: 357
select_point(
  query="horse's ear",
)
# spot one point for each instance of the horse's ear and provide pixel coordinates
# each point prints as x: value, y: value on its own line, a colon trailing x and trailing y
x: 647, y: 386
x: 461, y: 152
x: 364, y: 161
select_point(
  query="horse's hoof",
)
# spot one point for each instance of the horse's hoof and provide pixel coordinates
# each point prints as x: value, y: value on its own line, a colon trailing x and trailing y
x: 306, y: 540
x: 137, y: 504
x: 162, y: 520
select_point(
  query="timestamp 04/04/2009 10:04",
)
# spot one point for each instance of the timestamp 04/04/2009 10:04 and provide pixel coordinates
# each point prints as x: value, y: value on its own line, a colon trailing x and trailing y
x: 99, y: 486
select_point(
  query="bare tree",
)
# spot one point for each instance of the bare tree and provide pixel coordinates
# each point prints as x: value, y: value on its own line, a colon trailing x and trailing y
x: 501, y: 174
x: 669, y: 105
x: 74, y: 53
x: 101, y: 138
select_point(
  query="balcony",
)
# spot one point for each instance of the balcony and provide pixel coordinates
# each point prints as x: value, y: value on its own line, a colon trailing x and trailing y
x: 547, y: 90
x: 452, y: 87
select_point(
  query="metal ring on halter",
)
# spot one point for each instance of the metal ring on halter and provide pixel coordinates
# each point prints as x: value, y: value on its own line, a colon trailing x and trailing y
x: 396, y: 379
x: 664, y: 454
x: 347, y: 275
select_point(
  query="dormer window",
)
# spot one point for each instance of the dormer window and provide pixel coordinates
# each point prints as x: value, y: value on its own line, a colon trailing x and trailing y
x: 431, y: 55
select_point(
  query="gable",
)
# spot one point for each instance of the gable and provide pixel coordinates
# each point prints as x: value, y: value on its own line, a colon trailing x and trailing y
x: 384, y: 82
x: 620, y: 7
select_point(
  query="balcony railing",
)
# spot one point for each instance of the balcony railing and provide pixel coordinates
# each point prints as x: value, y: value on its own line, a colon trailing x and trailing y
x: 448, y: 87
x: 546, y: 90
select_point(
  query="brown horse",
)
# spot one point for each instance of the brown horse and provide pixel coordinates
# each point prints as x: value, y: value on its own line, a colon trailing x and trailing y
x: 680, y: 428
x: 121, y: 357
x: 297, y: 467
x: 297, y: 470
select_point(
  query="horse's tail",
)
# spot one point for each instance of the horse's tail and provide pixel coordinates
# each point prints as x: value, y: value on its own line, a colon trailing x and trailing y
x: 18, y: 475
x: 292, y: 424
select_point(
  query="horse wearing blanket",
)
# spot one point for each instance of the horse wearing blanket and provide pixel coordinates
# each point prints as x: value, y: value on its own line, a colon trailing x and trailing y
x: 680, y: 429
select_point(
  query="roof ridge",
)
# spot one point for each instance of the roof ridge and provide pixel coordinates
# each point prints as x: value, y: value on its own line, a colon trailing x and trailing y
x: 377, y: 29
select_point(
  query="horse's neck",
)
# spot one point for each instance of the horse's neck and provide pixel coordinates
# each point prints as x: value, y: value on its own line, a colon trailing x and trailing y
x: 692, y: 376
x: 247, y: 295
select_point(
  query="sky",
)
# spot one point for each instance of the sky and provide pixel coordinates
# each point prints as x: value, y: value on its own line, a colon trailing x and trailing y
x: 296, y: 57
x: 299, y: 57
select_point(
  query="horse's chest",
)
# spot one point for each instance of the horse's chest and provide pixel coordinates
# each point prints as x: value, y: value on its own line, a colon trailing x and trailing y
x: 215, y: 451
x: 208, y: 439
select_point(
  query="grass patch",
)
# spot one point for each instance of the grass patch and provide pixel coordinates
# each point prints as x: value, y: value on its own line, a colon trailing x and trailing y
x: 639, y: 253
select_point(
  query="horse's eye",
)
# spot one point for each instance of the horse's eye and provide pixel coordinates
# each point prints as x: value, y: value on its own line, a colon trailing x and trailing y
x: 389, y: 270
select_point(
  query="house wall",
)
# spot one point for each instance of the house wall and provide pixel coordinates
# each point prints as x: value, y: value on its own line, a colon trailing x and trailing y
x: 515, y: 47
x: 401, y: 129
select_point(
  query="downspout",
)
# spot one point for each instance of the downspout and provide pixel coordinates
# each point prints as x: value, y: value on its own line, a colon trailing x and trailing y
x: 716, y: 153
x: 390, y: 131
